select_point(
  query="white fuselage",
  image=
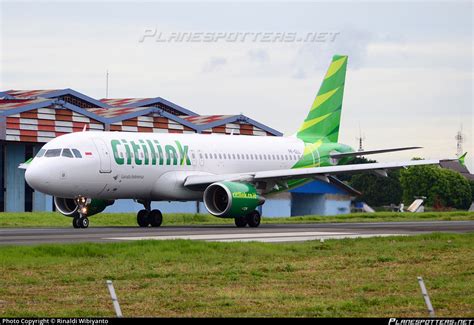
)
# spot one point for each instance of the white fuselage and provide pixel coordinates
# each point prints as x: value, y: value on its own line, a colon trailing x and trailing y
x: 152, y: 166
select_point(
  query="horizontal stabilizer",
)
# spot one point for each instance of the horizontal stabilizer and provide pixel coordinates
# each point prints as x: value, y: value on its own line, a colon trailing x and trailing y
x: 369, y: 152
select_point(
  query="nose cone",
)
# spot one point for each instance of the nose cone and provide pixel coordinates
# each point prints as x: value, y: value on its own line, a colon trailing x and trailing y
x: 36, y: 177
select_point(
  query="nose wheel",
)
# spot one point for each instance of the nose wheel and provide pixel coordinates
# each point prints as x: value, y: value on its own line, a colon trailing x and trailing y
x: 80, y: 222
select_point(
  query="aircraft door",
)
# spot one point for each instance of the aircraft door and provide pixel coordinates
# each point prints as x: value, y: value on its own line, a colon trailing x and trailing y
x: 104, y: 156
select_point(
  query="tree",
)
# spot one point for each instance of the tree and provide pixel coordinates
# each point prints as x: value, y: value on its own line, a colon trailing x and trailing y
x: 438, y: 185
x: 377, y: 190
x: 471, y: 183
x: 356, y: 160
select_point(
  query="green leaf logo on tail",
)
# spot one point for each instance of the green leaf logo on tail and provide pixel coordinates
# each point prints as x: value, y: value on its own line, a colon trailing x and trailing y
x: 322, y: 122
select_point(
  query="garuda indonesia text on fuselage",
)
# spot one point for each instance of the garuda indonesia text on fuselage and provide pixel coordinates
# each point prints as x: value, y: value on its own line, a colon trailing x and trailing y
x: 87, y: 171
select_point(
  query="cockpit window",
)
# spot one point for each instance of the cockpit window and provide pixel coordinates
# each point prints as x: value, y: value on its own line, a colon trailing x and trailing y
x: 40, y: 153
x: 53, y: 153
x: 76, y: 153
x: 67, y: 153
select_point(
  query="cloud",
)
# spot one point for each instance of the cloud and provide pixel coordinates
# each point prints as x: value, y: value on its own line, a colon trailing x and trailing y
x: 314, y: 57
x: 214, y: 64
x: 258, y: 55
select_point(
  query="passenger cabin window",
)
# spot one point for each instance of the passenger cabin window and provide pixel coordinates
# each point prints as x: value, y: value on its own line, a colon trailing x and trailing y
x: 53, y: 153
x: 40, y: 153
x: 76, y: 153
x: 67, y: 153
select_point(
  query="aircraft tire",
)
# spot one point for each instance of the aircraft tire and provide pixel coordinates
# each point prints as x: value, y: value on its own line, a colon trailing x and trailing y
x: 155, y: 217
x: 84, y: 222
x: 75, y: 222
x: 240, y: 222
x: 253, y: 219
x: 142, y: 218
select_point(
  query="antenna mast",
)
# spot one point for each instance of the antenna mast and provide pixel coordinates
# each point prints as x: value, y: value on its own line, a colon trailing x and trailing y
x: 360, y: 139
x: 107, y: 84
x: 459, y: 141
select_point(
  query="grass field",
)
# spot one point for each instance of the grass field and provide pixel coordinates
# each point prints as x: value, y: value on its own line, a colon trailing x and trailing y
x: 350, y: 277
x: 51, y: 219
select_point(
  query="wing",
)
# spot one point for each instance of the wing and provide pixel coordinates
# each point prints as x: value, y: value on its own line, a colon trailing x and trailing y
x: 369, y: 152
x: 199, y: 181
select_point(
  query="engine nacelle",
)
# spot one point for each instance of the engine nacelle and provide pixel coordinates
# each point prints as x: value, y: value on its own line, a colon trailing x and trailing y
x: 231, y: 199
x: 70, y: 208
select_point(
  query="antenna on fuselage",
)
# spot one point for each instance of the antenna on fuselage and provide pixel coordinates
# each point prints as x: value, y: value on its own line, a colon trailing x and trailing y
x: 84, y: 129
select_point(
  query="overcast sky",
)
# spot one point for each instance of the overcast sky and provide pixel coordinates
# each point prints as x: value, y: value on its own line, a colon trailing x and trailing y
x: 409, y: 78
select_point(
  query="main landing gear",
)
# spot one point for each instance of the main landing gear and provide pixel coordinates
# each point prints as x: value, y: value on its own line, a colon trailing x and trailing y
x: 148, y: 217
x: 252, y: 219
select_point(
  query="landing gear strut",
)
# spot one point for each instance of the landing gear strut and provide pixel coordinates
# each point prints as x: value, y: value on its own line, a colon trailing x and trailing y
x: 147, y: 217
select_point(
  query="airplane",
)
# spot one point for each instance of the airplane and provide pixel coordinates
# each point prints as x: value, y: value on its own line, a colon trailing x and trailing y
x: 87, y: 171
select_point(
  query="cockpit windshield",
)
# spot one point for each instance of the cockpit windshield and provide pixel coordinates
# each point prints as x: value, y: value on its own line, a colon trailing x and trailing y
x: 77, y: 153
x: 52, y: 153
x: 40, y: 153
x: 66, y: 152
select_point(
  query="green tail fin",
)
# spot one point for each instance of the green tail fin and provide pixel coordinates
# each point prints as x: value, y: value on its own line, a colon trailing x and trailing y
x: 322, y: 122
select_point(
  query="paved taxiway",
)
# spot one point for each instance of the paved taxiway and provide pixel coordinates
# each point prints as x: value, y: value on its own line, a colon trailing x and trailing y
x: 226, y: 233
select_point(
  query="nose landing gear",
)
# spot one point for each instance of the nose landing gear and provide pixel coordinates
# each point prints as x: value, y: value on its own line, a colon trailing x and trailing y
x: 81, y: 221
x: 147, y: 217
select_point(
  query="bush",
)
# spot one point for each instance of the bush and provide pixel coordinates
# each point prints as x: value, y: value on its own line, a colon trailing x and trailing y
x: 442, y: 186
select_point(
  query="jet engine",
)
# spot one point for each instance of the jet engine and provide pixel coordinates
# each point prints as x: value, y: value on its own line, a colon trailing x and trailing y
x: 231, y: 199
x: 88, y: 207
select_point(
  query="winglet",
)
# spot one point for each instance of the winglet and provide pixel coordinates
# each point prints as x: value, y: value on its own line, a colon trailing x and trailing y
x: 462, y: 159
x: 25, y: 164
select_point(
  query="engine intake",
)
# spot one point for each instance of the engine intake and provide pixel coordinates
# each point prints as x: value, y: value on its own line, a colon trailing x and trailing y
x: 70, y: 208
x: 67, y: 207
x: 231, y: 199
